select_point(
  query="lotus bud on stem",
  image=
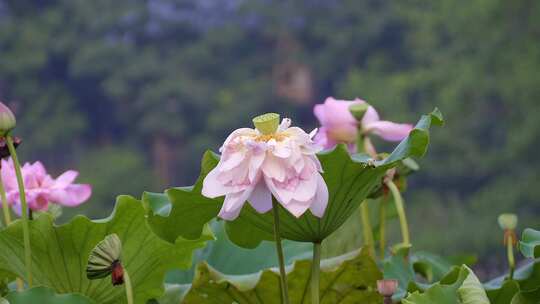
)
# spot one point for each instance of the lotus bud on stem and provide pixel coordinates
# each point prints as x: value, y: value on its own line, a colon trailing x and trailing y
x: 508, y: 223
x: 8, y: 123
x: 4, y: 153
x: 387, y: 288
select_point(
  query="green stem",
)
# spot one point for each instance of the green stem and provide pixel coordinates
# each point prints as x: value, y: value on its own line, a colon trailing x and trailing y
x: 510, y: 253
x: 129, y: 287
x: 366, y: 228
x: 398, y: 200
x: 315, y: 273
x: 382, y: 227
x: 24, y: 211
x: 7, y: 219
x: 5, y: 207
x: 279, y: 250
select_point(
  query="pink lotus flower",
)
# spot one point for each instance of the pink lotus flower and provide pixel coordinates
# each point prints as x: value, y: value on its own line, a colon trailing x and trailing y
x: 340, y: 126
x: 41, y: 189
x: 255, y: 166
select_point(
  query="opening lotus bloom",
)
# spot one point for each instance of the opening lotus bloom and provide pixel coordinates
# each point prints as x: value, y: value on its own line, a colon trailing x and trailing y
x: 41, y: 189
x: 338, y: 125
x: 254, y: 166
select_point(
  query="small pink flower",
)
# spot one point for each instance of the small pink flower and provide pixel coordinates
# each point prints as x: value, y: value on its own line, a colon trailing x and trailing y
x: 41, y: 189
x: 255, y: 166
x: 338, y: 125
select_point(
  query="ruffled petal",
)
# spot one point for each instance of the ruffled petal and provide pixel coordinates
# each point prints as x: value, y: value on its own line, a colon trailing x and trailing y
x: 232, y: 205
x: 212, y: 187
x: 72, y: 195
x: 66, y: 178
x: 261, y: 198
x: 320, y: 202
x: 370, y: 116
x: 389, y: 131
x: 322, y: 139
x: 274, y: 168
x: 231, y: 160
x: 297, y: 208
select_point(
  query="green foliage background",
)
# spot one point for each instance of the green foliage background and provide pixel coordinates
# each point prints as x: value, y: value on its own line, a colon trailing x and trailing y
x: 132, y: 92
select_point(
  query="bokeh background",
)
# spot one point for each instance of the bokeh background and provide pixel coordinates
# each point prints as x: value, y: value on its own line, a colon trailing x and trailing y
x: 131, y: 93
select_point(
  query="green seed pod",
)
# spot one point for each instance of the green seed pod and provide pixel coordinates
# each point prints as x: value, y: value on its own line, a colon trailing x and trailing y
x: 103, y: 257
x: 358, y: 110
x: 508, y: 221
x: 267, y: 123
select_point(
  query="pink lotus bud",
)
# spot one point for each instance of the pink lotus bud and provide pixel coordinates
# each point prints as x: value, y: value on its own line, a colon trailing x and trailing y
x: 7, y: 119
x: 388, y: 287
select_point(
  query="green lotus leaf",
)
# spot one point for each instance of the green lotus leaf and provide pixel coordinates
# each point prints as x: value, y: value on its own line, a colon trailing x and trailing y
x: 472, y: 291
x: 527, y: 297
x: 530, y: 243
x: 465, y: 288
x: 60, y: 253
x: 349, y: 278
x: 526, y: 281
x: 226, y: 257
x: 350, y: 179
x: 431, y: 267
x: 44, y: 295
x: 504, y: 294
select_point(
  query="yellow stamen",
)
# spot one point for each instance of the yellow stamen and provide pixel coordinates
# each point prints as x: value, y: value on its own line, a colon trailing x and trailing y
x: 268, y: 137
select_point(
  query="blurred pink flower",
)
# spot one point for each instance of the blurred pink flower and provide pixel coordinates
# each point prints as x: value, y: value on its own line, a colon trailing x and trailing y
x: 255, y: 166
x: 41, y: 189
x: 338, y: 125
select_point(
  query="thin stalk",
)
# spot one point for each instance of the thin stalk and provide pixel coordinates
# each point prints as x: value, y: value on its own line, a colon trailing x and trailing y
x: 363, y: 143
x: 510, y: 253
x: 5, y: 207
x: 315, y: 273
x: 24, y: 210
x: 7, y: 219
x: 279, y: 250
x: 129, y: 287
x: 366, y: 228
x: 382, y: 226
x: 398, y: 199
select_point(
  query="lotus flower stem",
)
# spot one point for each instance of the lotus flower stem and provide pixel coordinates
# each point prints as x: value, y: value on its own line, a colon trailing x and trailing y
x: 315, y: 273
x: 24, y: 210
x: 279, y: 250
x: 366, y: 228
x: 129, y: 287
x: 5, y: 207
x: 398, y: 200
x: 7, y: 219
x: 382, y: 226
x: 510, y: 253
x: 367, y: 232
